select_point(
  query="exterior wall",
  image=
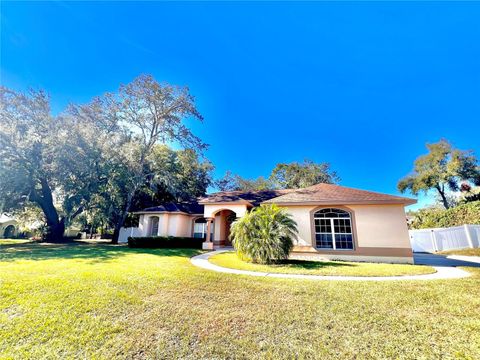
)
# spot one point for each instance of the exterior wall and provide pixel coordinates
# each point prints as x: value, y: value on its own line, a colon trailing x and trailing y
x: 168, y: 224
x: 163, y: 224
x: 379, y: 231
x: 179, y: 225
x: 301, y: 214
x: 210, y: 210
x: 353, y: 258
x: 381, y: 226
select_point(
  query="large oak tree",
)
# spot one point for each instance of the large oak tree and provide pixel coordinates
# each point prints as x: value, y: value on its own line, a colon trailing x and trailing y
x: 46, y: 160
x: 147, y: 113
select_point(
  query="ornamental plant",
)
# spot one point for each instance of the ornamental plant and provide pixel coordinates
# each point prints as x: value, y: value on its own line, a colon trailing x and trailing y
x: 264, y: 235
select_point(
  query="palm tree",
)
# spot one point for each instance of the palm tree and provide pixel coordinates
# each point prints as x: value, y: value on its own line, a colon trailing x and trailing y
x: 264, y: 235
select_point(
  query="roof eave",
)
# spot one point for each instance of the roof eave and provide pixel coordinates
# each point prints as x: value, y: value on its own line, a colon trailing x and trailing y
x: 236, y: 202
x: 160, y: 212
x: 350, y: 202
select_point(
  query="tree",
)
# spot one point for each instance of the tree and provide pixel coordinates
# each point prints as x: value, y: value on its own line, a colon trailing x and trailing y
x: 264, y: 235
x: 227, y: 183
x: 231, y: 182
x: 177, y: 176
x: 300, y: 175
x: 181, y: 173
x: 44, y: 160
x: 442, y: 169
x: 284, y: 176
x: 148, y: 113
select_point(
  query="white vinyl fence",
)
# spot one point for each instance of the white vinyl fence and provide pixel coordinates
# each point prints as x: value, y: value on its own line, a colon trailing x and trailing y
x: 126, y: 232
x: 439, y: 239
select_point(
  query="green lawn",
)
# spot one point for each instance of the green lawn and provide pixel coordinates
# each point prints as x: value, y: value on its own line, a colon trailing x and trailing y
x: 13, y: 241
x: 102, y: 301
x: 342, y: 268
x: 467, y: 252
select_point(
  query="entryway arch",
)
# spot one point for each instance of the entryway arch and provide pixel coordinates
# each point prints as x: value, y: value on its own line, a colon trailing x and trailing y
x: 9, y: 231
x: 223, y: 219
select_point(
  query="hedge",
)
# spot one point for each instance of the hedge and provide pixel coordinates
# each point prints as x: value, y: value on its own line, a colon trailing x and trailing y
x: 468, y: 213
x: 165, y: 242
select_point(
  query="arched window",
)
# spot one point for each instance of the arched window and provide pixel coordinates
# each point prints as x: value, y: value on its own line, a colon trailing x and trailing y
x: 154, y: 226
x: 200, y: 229
x: 333, y: 229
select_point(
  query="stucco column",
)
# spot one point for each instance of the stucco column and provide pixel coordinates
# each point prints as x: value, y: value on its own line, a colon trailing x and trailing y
x: 208, y: 244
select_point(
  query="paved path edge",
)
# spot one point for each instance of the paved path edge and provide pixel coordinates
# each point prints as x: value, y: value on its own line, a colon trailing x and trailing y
x: 442, y: 272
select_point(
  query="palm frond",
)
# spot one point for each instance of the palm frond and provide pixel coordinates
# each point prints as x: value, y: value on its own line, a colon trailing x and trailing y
x: 264, y: 235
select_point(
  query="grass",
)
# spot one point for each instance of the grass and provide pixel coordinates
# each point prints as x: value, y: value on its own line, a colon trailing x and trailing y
x: 103, y: 302
x: 467, y: 252
x: 341, y: 268
x: 13, y: 241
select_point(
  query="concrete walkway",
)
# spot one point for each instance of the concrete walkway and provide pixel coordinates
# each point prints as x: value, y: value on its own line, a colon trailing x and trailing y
x: 445, y: 260
x: 442, y: 272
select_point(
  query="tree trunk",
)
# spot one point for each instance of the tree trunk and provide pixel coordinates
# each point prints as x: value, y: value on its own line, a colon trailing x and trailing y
x: 116, y: 233
x: 444, y: 198
x: 119, y: 224
x: 55, y: 231
x: 55, y: 226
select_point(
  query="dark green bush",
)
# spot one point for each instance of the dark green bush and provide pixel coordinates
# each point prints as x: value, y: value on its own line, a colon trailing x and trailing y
x: 165, y: 242
x: 468, y: 213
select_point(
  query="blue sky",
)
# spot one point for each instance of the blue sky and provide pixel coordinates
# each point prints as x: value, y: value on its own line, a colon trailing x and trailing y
x: 361, y: 85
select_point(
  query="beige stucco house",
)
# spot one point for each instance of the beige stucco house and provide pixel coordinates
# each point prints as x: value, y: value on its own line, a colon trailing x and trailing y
x: 334, y: 222
x: 8, y: 226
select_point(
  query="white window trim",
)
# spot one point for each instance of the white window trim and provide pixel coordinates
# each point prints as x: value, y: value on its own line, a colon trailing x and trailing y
x: 332, y: 226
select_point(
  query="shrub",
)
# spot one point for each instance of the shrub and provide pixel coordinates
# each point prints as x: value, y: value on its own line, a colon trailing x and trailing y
x: 264, y: 235
x: 165, y: 242
x: 468, y: 213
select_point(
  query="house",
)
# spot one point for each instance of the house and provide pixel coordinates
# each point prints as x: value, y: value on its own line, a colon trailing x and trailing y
x: 8, y: 226
x: 334, y: 222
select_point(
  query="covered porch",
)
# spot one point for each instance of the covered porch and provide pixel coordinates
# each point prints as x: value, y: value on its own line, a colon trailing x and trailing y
x: 218, y: 220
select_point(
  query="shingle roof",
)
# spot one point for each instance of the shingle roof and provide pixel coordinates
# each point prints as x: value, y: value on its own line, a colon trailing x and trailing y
x: 335, y: 194
x: 327, y: 194
x: 189, y: 208
x: 253, y: 197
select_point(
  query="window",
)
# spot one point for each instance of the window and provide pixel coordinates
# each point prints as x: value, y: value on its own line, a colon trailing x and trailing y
x: 200, y: 229
x: 154, y: 226
x: 333, y: 229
